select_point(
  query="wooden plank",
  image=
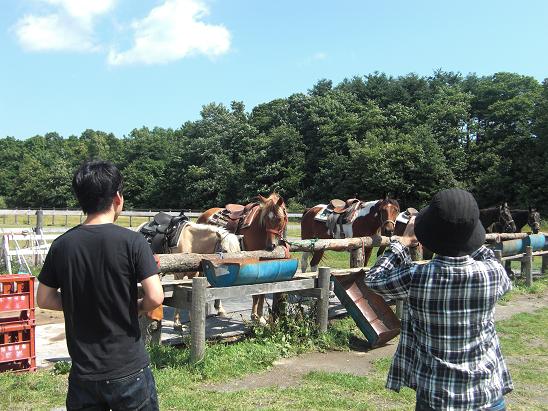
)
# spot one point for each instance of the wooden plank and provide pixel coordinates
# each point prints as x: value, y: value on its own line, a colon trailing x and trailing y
x: 519, y: 257
x: 258, y: 289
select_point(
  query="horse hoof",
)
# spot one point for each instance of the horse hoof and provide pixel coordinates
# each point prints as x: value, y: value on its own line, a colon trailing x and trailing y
x: 178, y: 327
x: 262, y: 321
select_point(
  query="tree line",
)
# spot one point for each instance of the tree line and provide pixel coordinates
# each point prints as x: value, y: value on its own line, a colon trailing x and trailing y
x: 367, y: 136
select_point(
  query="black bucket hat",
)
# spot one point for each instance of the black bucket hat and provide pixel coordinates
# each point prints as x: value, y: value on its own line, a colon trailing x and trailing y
x: 450, y: 224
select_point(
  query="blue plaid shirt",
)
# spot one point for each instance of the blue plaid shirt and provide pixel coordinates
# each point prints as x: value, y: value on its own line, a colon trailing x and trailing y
x: 449, y: 351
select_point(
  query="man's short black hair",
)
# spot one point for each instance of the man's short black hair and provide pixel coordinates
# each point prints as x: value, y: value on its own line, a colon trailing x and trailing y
x: 95, y: 184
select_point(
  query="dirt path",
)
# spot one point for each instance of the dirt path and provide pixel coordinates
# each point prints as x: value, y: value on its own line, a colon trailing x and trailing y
x: 289, y: 371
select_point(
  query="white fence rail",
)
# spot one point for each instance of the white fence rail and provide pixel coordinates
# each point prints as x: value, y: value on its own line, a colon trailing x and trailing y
x: 78, y: 213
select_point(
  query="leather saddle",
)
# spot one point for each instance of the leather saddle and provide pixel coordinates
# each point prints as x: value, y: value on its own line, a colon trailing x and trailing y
x: 163, y: 231
x: 235, y: 217
x: 340, y: 206
x: 342, y: 212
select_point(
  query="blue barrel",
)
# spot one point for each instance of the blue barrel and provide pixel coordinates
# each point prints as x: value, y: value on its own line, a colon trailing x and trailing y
x: 227, y: 272
x: 512, y: 247
x: 537, y: 241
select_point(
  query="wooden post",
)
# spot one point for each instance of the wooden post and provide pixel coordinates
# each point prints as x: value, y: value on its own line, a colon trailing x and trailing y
x: 198, y: 315
x: 356, y: 258
x: 28, y: 217
x: 39, y: 221
x: 508, y: 267
x: 130, y: 221
x: 324, y: 276
x: 66, y: 218
x: 6, y: 252
x: 81, y: 216
x: 53, y: 217
x: 527, y: 265
x: 544, y: 264
x: 498, y: 255
x: 15, y: 215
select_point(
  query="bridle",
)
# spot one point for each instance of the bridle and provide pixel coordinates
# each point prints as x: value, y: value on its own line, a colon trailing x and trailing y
x: 507, y: 224
x: 532, y: 220
x: 384, y: 223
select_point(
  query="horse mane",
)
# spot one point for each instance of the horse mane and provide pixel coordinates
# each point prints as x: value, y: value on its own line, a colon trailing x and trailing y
x: 489, y: 215
x: 271, y: 204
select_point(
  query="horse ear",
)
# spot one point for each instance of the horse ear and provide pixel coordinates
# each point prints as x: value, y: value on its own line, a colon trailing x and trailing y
x: 261, y: 198
x: 280, y: 201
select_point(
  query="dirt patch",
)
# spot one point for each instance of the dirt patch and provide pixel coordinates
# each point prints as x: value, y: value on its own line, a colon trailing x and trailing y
x: 288, y: 372
x: 520, y: 304
x: 44, y: 317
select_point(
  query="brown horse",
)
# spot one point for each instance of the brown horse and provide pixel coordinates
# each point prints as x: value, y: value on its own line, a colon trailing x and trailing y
x: 372, y: 217
x: 264, y: 232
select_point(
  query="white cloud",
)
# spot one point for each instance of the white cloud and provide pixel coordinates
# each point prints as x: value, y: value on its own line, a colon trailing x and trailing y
x: 83, y: 9
x: 70, y: 27
x: 171, y: 32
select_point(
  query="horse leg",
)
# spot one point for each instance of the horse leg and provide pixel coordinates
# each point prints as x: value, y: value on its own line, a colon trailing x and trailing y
x: 366, y: 256
x: 257, y: 309
x: 220, y: 309
x: 304, y: 261
x: 316, y: 260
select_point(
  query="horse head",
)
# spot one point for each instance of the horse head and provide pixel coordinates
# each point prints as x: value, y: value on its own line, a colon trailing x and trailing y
x: 505, y: 219
x: 273, y: 218
x: 388, y: 210
x: 533, y: 219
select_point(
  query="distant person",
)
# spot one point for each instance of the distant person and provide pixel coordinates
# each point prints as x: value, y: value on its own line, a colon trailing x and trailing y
x: 96, y: 266
x: 449, y: 352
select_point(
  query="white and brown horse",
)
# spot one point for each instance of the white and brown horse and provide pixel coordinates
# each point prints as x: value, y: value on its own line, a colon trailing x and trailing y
x: 264, y: 232
x: 371, y: 217
x: 202, y: 239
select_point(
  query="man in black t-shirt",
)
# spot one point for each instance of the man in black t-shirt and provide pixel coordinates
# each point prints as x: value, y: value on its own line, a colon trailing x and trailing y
x: 96, y: 266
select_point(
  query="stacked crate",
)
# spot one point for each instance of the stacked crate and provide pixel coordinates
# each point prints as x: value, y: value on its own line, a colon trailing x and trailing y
x: 17, y: 323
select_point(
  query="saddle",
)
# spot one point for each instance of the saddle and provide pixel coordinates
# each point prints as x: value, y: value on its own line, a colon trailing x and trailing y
x: 235, y: 217
x: 342, y: 212
x: 340, y: 206
x: 163, y: 231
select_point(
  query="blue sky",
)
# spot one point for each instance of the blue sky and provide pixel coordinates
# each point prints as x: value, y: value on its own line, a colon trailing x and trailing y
x: 115, y: 65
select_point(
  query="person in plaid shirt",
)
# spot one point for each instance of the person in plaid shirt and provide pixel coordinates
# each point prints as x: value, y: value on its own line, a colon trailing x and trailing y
x: 449, y: 352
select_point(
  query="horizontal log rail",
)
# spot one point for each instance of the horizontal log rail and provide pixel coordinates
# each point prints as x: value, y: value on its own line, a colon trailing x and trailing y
x: 182, y: 262
x: 349, y: 244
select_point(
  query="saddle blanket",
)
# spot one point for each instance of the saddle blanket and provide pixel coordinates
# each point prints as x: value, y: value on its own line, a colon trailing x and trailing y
x: 323, y: 213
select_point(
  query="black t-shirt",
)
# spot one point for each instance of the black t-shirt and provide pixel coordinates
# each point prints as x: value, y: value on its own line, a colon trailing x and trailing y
x: 97, y: 268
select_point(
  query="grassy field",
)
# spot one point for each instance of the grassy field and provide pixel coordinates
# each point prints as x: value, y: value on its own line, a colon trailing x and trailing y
x: 524, y: 340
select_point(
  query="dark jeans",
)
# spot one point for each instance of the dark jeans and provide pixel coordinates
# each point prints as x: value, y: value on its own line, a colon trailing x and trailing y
x: 498, y: 405
x: 136, y: 391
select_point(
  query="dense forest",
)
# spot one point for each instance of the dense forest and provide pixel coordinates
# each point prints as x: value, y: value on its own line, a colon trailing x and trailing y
x: 408, y: 136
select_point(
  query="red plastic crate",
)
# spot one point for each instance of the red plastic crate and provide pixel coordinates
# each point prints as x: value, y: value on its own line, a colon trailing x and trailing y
x: 17, y: 293
x: 27, y: 364
x: 17, y: 342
